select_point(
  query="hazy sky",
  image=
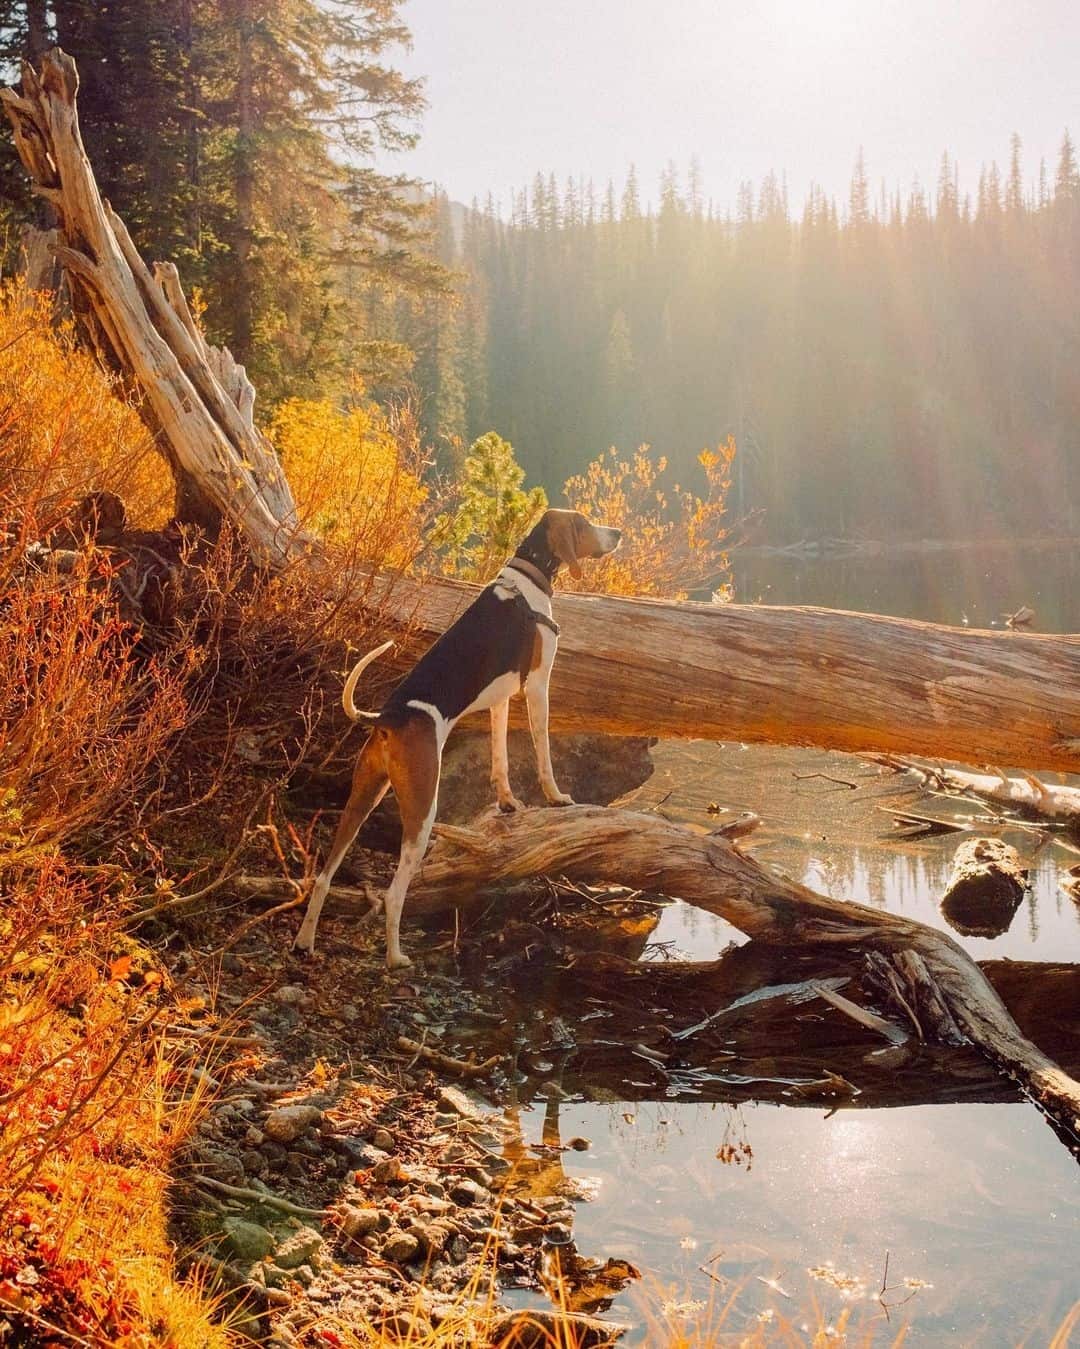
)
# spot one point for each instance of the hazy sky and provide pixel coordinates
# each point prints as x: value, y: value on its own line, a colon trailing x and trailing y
x: 584, y: 87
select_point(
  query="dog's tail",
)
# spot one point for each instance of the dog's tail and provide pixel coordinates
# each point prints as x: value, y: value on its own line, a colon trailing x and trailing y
x: 351, y: 710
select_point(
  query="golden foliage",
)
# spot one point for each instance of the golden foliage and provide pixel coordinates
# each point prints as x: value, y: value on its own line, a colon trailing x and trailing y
x: 673, y: 540
x: 356, y: 476
x: 64, y: 426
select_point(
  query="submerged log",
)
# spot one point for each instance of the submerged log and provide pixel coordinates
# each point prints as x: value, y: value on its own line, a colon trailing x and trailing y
x: 593, y: 845
x: 1027, y: 795
x: 987, y: 883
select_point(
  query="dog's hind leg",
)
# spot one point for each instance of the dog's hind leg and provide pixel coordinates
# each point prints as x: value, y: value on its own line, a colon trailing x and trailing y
x: 414, y: 773
x: 500, y: 759
x: 370, y: 783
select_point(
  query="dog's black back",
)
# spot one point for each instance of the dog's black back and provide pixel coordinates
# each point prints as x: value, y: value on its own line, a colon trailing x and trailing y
x: 492, y: 637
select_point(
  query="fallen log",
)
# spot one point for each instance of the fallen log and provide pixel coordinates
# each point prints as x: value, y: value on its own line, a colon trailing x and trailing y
x: 626, y: 667
x: 1052, y: 801
x: 792, y: 675
x: 987, y: 883
x: 592, y: 844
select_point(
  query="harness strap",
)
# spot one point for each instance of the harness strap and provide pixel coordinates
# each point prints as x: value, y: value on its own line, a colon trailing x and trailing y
x: 534, y: 614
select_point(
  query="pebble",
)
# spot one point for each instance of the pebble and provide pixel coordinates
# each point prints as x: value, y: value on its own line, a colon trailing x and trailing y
x: 291, y: 995
x: 246, y: 1240
x: 384, y: 1139
x: 358, y: 1222
x: 220, y: 1165
x: 288, y: 1122
x: 387, y: 1171
x: 457, y: 1103
x: 400, y: 1248
x: 405, y: 1326
x: 467, y: 1192
x: 302, y: 1248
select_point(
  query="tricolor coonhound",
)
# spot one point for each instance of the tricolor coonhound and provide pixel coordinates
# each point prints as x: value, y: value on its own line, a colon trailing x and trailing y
x: 503, y: 642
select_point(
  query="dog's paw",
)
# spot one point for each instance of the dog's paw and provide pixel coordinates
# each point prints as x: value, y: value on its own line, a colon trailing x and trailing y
x: 561, y: 799
x: 509, y: 804
x: 302, y: 949
x: 399, y: 962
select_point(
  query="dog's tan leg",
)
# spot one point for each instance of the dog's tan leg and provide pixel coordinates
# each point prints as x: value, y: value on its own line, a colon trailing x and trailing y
x: 536, y: 697
x: 500, y: 761
x: 370, y: 782
x: 414, y: 773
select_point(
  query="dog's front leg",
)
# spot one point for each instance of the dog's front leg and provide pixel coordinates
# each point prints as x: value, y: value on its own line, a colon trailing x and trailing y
x: 500, y: 759
x: 536, y: 697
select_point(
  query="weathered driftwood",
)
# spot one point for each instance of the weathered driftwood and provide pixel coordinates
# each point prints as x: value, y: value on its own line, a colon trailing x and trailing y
x: 1026, y: 795
x: 985, y: 888
x: 592, y: 844
x: 199, y: 405
x: 626, y: 667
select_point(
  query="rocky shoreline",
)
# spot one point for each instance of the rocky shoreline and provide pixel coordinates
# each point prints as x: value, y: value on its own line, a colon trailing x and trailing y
x: 336, y: 1184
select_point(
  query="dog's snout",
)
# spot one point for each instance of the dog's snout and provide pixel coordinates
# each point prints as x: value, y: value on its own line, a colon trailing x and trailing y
x: 614, y: 538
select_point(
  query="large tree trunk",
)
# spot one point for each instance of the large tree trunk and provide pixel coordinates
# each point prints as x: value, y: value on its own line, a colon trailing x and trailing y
x: 798, y: 676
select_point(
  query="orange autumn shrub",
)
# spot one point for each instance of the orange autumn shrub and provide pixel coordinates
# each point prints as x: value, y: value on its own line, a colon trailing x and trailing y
x: 356, y: 477
x: 65, y: 429
x: 674, y: 540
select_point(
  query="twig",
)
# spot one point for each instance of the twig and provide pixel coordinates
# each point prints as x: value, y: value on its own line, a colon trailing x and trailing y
x: 258, y: 1197
x: 840, y: 782
x: 447, y: 1062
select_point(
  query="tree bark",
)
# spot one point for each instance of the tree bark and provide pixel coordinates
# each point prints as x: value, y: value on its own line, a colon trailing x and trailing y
x: 797, y: 676
x: 985, y: 888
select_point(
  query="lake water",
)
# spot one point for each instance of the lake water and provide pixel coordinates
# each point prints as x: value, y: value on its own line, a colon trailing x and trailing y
x: 745, y: 1216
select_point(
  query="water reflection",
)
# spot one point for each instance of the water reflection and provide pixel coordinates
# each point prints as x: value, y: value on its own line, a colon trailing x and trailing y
x: 787, y: 1214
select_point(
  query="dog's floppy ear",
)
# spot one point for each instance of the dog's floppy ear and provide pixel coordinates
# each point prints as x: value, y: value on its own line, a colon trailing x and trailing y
x: 562, y: 536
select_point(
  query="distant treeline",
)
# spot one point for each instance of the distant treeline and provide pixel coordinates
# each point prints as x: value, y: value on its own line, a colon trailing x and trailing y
x: 901, y: 365
x: 892, y: 365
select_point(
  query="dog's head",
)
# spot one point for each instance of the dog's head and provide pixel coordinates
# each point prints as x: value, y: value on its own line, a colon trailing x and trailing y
x: 570, y: 538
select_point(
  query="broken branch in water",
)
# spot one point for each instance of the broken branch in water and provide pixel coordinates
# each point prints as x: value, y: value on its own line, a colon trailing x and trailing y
x: 592, y: 844
x: 1048, y: 801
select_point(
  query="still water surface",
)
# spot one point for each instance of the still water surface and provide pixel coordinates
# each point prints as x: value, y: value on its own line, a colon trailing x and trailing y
x: 977, y: 1206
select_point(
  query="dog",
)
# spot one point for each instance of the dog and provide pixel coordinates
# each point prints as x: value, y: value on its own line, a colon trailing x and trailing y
x: 502, y: 644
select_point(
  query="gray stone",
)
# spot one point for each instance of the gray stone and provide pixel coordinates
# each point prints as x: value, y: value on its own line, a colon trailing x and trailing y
x: 254, y: 1163
x: 288, y: 1122
x: 358, y: 1222
x: 455, y: 1101
x: 220, y: 1165
x: 246, y: 1240
x: 467, y: 1192
x: 302, y: 1248
x: 291, y: 995
x: 400, y: 1247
